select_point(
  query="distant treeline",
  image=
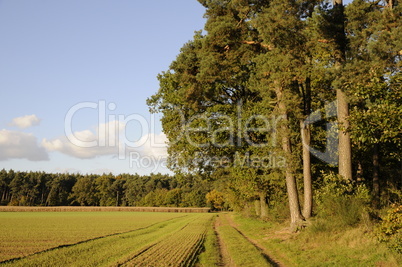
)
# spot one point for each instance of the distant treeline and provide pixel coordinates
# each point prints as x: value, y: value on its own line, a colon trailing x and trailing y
x: 47, y: 189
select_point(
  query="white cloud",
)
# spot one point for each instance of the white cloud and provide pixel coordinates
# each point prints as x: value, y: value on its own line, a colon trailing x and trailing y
x: 107, y: 140
x: 88, y: 144
x: 79, y: 149
x: 18, y: 145
x: 25, y: 121
x: 153, y: 145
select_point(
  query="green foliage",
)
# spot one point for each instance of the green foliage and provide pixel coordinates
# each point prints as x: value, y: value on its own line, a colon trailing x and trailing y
x: 333, y: 185
x: 340, y: 203
x: 215, y: 199
x: 40, y: 189
x: 285, y: 58
x: 84, y: 192
x: 104, y: 191
x: 389, y: 230
x: 194, y: 198
x: 60, y: 189
x: 372, y: 80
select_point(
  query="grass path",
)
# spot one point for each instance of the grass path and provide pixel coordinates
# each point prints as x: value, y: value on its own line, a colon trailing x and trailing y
x: 224, y: 256
x: 274, y: 261
x: 236, y: 248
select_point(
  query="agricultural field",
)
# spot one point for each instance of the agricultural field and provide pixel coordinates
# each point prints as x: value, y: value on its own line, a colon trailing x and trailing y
x: 26, y: 233
x: 107, y: 237
x: 111, y: 238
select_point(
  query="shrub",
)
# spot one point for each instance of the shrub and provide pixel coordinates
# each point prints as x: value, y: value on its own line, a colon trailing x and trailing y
x: 389, y: 230
x: 215, y: 200
x: 341, y: 202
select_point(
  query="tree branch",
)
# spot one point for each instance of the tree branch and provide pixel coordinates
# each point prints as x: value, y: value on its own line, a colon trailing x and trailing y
x: 269, y: 47
x: 325, y: 41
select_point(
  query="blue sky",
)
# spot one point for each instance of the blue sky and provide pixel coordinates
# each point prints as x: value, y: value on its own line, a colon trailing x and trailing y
x: 100, y: 57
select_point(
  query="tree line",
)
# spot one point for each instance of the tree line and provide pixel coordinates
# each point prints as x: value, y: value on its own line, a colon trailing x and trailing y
x: 280, y: 81
x: 49, y: 189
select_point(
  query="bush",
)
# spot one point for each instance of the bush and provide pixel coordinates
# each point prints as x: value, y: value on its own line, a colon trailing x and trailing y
x: 215, y: 200
x: 341, y: 202
x: 389, y: 230
x: 333, y: 185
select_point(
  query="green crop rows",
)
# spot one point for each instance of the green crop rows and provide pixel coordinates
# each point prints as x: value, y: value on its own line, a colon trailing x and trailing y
x: 101, y: 238
x: 26, y: 233
x: 122, y: 239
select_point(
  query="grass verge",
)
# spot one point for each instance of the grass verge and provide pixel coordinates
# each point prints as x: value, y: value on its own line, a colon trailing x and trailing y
x: 210, y: 255
x: 318, y: 245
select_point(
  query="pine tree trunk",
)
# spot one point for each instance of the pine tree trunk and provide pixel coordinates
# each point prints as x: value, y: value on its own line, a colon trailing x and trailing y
x: 376, y: 176
x: 42, y: 200
x: 7, y: 197
x: 264, y: 205
x: 308, y: 188
x: 257, y: 207
x: 344, y: 147
x: 305, y: 132
x: 296, y: 218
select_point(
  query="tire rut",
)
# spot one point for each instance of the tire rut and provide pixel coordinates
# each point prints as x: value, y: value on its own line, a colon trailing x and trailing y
x: 224, y: 256
x: 268, y: 257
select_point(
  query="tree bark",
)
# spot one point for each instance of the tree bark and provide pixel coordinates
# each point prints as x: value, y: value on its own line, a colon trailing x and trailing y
x: 263, y: 205
x: 257, y: 207
x: 344, y: 147
x: 305, y: 132
x: 296, y: 218
x: 308, y: 188
x: 376, y: 176
x: 42, y: 197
